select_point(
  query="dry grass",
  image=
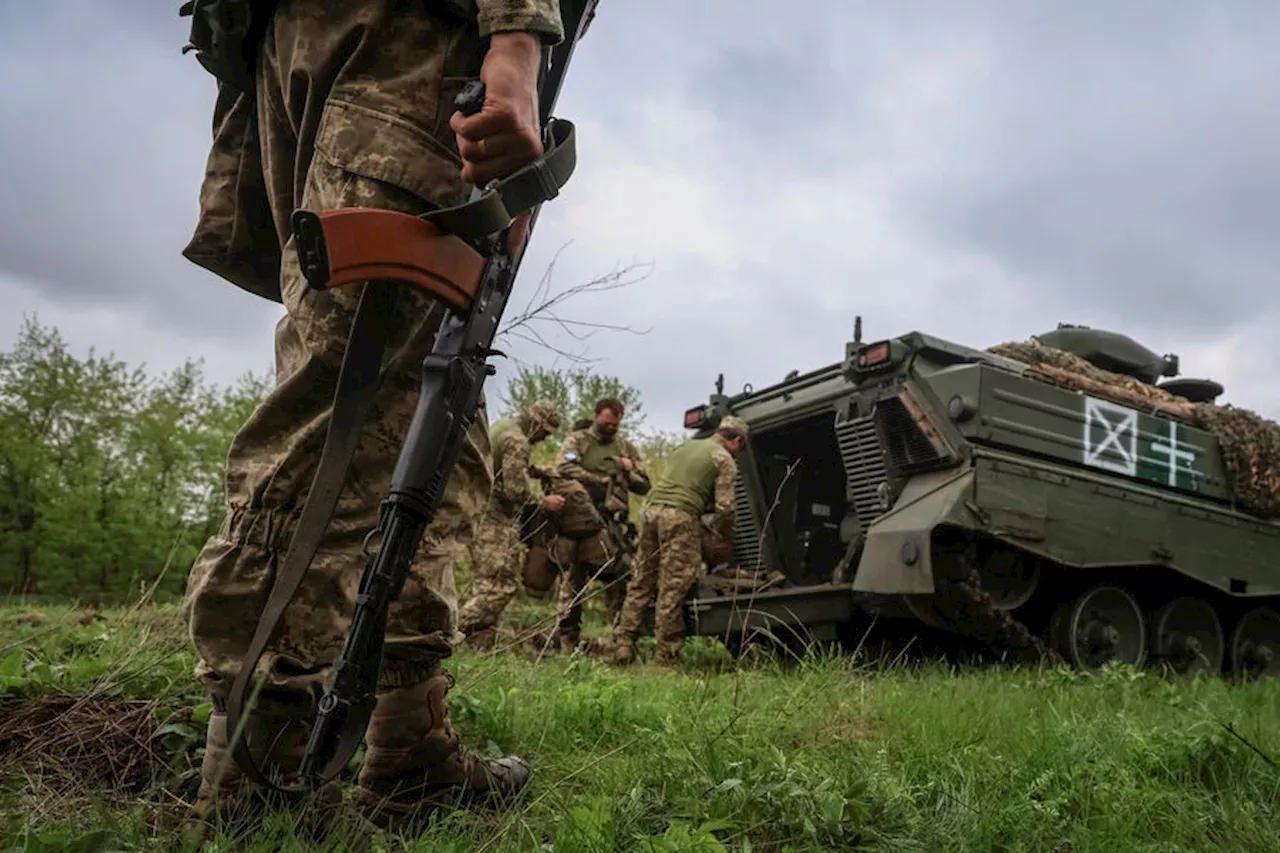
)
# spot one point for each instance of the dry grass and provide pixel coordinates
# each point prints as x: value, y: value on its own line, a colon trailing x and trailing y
x: 61, y: 742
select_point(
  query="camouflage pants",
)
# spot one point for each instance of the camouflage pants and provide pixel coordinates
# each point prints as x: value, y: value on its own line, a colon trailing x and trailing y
x: 666, y: 562
x: 496, y: 559
x: 595, y: 557
x: 326, y: 143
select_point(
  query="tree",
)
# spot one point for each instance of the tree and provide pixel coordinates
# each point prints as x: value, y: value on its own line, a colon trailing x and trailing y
x: 104, y: 468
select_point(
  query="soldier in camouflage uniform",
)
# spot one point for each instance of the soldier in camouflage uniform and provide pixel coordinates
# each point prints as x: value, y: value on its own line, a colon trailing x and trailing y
x: 496, y: 552
x: 352, y: 105
x: 699, y: 474
x: 609, y: 467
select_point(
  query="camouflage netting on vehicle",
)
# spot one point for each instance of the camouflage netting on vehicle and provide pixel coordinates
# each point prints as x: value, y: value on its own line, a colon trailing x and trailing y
x: 1250, y: 444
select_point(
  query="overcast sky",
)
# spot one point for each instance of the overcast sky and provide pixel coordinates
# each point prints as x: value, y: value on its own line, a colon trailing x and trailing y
x: 976, y: 170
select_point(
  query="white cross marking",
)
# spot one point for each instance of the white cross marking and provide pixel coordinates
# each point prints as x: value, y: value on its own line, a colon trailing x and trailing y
x: 1120, y: 426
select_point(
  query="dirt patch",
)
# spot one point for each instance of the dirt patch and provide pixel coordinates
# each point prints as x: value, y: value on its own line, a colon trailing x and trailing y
x: 33, y: 618
x: 69, y: 741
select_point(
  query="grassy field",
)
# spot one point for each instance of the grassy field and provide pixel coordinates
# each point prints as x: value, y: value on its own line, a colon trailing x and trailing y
x: 101, y: 729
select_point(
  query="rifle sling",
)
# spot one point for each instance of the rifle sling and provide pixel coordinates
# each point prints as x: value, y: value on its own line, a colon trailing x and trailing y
x: 357, y: 384
x: 503, y: 200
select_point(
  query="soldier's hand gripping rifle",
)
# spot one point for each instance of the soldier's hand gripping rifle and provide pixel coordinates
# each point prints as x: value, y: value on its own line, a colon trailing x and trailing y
x: 467, y: 256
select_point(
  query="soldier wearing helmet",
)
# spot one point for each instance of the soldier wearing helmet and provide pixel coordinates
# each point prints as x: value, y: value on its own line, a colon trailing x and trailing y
x: 697, y: 476
x: 496, y: 549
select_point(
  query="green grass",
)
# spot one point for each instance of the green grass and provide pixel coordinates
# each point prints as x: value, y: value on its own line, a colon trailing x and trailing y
x: 827, y: 753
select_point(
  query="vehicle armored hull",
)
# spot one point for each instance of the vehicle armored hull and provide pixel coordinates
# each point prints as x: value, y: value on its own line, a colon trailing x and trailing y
x: 1042, y: 504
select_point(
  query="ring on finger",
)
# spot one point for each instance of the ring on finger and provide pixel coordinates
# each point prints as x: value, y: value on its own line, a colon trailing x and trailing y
x: 480, y: 145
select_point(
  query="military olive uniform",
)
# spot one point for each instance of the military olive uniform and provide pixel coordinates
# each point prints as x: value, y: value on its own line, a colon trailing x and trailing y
x: 699, y: 474
x: 496, y: 552
x: 595, y: 462
x: 350, y: 108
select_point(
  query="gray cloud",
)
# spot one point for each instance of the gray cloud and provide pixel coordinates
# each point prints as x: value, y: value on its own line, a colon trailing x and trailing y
x: 980, y: 171
x: 1128, y: 159
x: 106, y: 170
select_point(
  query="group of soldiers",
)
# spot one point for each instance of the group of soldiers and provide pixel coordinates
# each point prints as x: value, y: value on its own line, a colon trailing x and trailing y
x: 580, y: 531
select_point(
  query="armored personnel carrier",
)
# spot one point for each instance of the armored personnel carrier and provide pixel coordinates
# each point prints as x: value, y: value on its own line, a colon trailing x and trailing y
x: 1070, y: 496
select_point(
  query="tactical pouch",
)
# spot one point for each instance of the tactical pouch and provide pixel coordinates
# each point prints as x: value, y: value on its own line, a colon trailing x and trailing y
x: 539, y: 570
x: 579, y: 518
x: 235, y: 235
x: 715, y: 550
x: 598, y: 491
x: 596, y: 552
x: 225, y: 35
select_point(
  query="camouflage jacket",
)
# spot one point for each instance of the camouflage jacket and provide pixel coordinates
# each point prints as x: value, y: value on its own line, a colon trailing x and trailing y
x: 366, y: 67
x: 596, y: 464
x: 698, y: 478
x: 511, y: 456
x: 495, y: 16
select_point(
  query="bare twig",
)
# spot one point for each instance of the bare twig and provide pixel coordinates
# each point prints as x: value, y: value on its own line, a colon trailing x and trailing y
x: 544, y: 307
x: 1232, y: 731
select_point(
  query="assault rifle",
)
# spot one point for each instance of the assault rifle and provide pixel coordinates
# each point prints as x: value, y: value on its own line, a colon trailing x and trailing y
x: 618, y: 524
x: 468, y: 256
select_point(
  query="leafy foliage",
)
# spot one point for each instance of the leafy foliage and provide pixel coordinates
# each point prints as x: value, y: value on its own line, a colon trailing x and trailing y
x: 575, y: 392
x: 107, y: 475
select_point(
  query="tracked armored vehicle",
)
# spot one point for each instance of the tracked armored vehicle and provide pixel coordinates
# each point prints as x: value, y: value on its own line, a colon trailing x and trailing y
x: 1070, y: 496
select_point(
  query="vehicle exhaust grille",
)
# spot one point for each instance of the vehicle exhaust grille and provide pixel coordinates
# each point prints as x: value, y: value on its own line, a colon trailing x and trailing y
x: 746, y: 533
x: 907, y: 448
x: 864, y: 469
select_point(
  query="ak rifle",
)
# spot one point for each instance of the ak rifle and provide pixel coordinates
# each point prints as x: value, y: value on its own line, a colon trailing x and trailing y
x: 468, y: 257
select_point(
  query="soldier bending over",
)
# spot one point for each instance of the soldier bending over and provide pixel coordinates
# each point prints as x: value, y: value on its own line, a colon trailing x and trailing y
x: 699, y: 473
x: 496, y: 552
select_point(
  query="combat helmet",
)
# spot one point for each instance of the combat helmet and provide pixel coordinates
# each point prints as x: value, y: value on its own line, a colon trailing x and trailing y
x: 734, y: 424
x: 543, y: 414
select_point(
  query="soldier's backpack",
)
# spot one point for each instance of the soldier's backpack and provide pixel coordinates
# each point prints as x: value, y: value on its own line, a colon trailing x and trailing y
x: 226, y: 34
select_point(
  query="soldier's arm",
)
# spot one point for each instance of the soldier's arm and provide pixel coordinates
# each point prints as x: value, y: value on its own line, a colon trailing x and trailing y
x: 541, y: 17
x: 726, y: 473
x: 569, y: 462
x: 542, y: 472
x: 638, y: 477
x: 518, y: 32
x: 515, y: 469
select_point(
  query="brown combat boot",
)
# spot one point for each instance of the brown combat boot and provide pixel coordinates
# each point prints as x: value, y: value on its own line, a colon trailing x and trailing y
x: 666, y: 661
x: 665, y: 656
x: 482, y: 640
x: 227, y: 800
x: 624, y: 651
x: 568, y: 642
x: 415, y: 763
